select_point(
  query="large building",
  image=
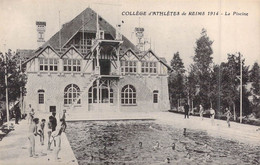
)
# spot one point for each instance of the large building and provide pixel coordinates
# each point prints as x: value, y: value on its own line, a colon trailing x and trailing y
x: 89, y: 66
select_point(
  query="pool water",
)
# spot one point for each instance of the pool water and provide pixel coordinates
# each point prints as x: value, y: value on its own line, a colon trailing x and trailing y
x: 146, y: 142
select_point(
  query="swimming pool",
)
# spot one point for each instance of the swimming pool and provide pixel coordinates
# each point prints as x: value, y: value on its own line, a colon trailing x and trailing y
x: 147, y: 142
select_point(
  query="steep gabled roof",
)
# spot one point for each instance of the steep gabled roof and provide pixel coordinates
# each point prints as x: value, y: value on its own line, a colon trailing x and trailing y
x: 39, y: 51
x: 149, y: 51
x: 130, y: 50
x: 162, y: 60
x: 71, y: 47
x: 47, y: 46
x: 71, y: 28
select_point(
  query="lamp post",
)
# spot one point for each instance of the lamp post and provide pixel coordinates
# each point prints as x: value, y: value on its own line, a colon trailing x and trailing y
x: 241, y: 88
x: 6, y: 89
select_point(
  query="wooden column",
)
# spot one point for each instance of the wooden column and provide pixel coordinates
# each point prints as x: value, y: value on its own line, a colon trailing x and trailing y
x: 118, y: 96
x: 98, y: 94
x: 118, y: 61
x: 108, y: 88
x: 98, y: 53
x: 87, y: 98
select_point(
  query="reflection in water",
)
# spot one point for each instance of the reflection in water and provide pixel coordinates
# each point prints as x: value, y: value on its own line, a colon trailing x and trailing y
x: 144, y: 142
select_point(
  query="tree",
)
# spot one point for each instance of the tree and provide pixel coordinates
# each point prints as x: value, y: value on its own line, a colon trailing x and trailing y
x: 230, y: 84
x: 177, y: 64
x: 255, y: 79
x: 215, y: 88
x: 190, y: 85
x: 176, y: 80
x: 16, y: 79
x: 203, y: 68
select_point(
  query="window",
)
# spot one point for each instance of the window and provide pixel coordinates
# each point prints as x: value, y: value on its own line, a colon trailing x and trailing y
x: 149, y: 67
x: 103, y: 95
x: 128, y: 95
x: 71, y: 65
x: 155, y: 96
x: 41, y: 96
x: 71, y: 93
x: 128, y: 66
x: 111, y: 95
x: 48, y: 64
x: 90, y: 95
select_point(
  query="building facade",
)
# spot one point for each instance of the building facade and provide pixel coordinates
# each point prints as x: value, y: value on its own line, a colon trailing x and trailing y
x: 89, y: 66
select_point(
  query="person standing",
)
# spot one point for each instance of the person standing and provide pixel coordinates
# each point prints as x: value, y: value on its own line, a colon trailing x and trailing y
x: 53, y: 124
x: 42, y: 125
x: 186, y: 110
x: 201, y: 111
x: 31, y: 114
x: 228, y: 115
x: 17, y: 115
x: 62, y: 118
x: 212, y: 115
x: 49, y: 131
x: 32, y: 133
x: 53, y: 121
x: 56, y: 135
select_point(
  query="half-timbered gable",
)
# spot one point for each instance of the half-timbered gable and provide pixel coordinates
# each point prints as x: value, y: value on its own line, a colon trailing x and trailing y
x: 130, y: 63
x: 72, y: 60
x: 149, y: 63
x: 46, y: 60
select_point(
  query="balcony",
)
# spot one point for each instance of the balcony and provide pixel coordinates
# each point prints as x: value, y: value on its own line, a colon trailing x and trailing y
x: 107, y: 75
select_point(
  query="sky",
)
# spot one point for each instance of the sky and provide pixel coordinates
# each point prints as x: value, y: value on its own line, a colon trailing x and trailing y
x: 168, y: 34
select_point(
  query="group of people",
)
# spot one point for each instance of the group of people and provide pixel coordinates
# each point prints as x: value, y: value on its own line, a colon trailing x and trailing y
x: 54, y: 131
x: 211, y: 111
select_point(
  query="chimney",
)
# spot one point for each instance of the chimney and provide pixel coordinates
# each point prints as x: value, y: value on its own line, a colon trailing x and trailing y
x: 41, y: 27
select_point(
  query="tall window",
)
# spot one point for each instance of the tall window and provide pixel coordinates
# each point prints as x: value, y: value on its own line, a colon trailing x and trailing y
x: 128, y: 95
x: 71, y: 65
x: 149, y: 67
x: 155, y: 96
x: 71, y: 93
x: 41, y: 96
x: 111, y: 95
x: 128, y: 66
x: 103, y: 95
x: 48, y: 64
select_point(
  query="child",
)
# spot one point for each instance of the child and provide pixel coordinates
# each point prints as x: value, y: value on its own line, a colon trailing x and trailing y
x: 32, y: 133
x: 49, y: 131
x: 56, y: 135
x: 41, y: 130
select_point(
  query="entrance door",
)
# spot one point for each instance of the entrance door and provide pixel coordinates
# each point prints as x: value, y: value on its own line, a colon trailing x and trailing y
x: 105, y: 97
x: 52, y: 108
x: 104, y: 67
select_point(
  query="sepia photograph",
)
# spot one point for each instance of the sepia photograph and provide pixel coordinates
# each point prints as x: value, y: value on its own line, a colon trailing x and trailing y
x: 129, y: 82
